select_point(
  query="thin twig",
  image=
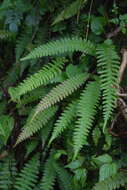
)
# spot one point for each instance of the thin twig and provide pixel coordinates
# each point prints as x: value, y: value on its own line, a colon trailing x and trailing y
x: 123, y: 108
x: 123, y: 65
x: 112, y: 125
x: 89, y: 16
x: 122, y: 95
x: 113, y: 33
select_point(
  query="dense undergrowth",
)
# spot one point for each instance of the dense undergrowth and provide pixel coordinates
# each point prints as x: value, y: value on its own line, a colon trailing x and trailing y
x: 63, y: 95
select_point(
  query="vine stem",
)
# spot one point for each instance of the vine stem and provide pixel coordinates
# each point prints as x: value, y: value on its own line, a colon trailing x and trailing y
x: 89, y: 17
x: 123, y: 64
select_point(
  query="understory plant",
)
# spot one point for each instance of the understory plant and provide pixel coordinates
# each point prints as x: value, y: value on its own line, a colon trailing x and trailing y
x: 63, y: 95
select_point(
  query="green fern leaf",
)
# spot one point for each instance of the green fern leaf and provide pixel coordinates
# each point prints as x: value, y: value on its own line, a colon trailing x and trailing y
x: 61, y: 91
x: 61, y: 46
x: 22, y: 43
x: 69, y: 11
x: 86, y: 111
x: 28, y: 176
x: 8, y: 172
x: 49, y: 176
x: 108, y: 68
x: 64, y: 120
x: 112, y: 183
x: 34, y: 125
x: 64, y: 178
x: 48, y: 72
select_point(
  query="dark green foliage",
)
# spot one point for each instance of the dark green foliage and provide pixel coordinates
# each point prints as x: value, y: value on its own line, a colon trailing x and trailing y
x: 63, y: 95
x: 27, y: 177
x: 8, y: 172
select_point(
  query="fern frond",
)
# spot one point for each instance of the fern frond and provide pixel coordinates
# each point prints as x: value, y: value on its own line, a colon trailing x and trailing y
x: 61, y: 46
x: 28, y: 176
x: 8, y: 172
x: 61, y: 91
x: 64, y: 120
x: 86, y: 111
x: 22, y: 43
x: 108, y: 69
x: 49, y: 176
x: 70, y: 11
x: 112, y: 183
x: 64, y: 178
x: 34, y: 125
x: 48, y: 72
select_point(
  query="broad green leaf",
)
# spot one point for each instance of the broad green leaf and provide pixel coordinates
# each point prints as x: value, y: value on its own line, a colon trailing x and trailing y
x: 107, y: 170
x: 97, y: 25
x: 102, y: 159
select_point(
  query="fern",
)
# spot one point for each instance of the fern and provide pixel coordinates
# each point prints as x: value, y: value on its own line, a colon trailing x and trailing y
x: 22, y: 43
x: 61, y: 46
x: 108, y: 65
x: 64, y: 178
x: 86, y: 112
x: 112, y: 183
x: 48, y: 72
x: 69, y: 11
x: 49, y: 176
x: 8, y: 172
x: 61, y: 91
x: 34, y: 125
x: 64, y: 120
x: 28, y: 176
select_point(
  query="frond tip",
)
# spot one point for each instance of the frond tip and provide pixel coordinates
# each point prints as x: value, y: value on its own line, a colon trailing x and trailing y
x: 64, y: 120
x: 47, y: 73
x: 34, y: 125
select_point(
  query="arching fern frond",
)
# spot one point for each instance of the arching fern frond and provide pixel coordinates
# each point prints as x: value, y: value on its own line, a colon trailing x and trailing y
x: 61, y: 46
x: 64, y: 120
x: 48, y: 72
x: 61, y: 91
x: 86, y: 111
x: 28, y: 176
x: 108, y: 68
x: 112, y: 183
x: 34, y: 125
